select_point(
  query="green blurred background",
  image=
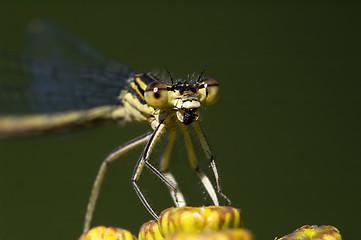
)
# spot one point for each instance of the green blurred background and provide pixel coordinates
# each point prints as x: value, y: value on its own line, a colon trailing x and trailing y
x: 285, y: 133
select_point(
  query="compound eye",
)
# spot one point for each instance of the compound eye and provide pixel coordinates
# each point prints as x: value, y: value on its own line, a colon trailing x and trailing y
x: 156, y: 94
x: 211, y: 91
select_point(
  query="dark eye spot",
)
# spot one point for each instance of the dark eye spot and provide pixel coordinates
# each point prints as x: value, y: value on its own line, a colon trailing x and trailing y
x: 156, y: 95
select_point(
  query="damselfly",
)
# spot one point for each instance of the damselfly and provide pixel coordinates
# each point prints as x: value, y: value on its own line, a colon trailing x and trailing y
x: 69, y: 85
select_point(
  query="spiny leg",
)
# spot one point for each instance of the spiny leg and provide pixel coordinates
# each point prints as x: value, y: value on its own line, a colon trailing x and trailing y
x: 143, y: 160
x: 194, y: 164
x: 207, y: 152
x: 101, y: 173
x: 138, y: 170
x: 164, y: 166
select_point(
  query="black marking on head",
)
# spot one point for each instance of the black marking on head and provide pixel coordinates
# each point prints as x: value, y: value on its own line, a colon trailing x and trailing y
x: 183, y: 87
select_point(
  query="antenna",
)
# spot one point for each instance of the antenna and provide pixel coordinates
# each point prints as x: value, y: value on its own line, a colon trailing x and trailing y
x: 201, y: 74
x: 170, y: 75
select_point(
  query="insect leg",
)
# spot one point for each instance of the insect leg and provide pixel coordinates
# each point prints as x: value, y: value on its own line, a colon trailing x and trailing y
x: 101, y: 173
x: 194, y: 164
x: 164, y: 166
x: 143, y: 160
x: 209, y: 155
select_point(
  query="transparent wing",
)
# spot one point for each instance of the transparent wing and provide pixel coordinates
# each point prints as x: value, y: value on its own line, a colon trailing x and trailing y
x: 47, y: 40
x: 58, y: 73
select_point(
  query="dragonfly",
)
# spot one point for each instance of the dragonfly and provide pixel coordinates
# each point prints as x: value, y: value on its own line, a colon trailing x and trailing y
x: 62, y: 84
